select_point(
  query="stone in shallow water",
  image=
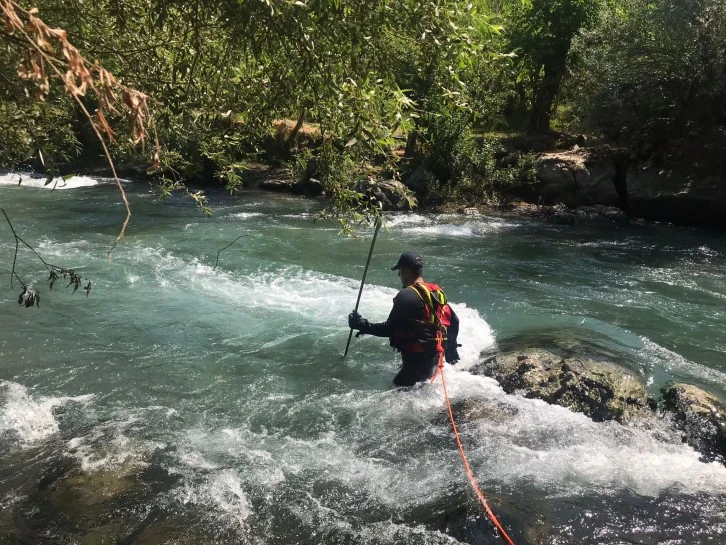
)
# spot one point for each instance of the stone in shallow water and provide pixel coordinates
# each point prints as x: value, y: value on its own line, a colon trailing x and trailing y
x: 108, y: 534
x: 78, y: 491
x: 701, y: 416
x: 600, y: 390
x: 470, y: 410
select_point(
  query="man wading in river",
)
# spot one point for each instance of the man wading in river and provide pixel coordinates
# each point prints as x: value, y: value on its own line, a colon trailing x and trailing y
x: 420, y: 313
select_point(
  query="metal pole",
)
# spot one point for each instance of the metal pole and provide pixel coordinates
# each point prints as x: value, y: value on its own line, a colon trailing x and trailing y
x: 362, y: 282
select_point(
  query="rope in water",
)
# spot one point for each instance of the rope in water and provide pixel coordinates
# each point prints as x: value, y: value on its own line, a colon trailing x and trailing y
x: 469, y: 472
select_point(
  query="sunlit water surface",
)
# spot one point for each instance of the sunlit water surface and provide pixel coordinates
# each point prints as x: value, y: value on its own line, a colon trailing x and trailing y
x: 225, y: 391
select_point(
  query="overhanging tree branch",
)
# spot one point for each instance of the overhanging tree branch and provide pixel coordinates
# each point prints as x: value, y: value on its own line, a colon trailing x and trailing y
x: 30, y: 296
x: 49, y: 47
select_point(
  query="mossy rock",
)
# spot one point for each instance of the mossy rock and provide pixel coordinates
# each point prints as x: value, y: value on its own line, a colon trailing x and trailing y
x: 701, y: 416
x: 91, y: 495
x: 600, y: 390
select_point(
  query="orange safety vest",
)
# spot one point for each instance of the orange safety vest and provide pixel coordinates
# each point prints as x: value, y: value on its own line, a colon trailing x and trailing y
x: 420, y: 334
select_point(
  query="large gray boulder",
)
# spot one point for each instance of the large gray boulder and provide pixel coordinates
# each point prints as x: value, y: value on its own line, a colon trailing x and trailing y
x: 597, y: 187
x: 557, y: 181
x: 574, y: 179
x: 600, y: 390
x: 702, y: 418
x: 671, y: 195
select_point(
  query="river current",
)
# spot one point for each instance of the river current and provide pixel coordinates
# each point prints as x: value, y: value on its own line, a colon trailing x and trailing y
x: 198, y: 396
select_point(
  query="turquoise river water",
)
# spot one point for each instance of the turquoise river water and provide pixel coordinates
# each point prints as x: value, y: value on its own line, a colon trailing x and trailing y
x: 183, y: 403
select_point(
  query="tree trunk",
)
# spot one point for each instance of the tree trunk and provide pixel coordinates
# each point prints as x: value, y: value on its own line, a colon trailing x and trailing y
x: 411, y: 142
x: 544, y: 99
x: 296, y: 129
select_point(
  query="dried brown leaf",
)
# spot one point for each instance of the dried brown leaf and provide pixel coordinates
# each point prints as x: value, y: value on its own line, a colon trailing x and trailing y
x: 58, y: 34
x: 13, y: 21
x: 103, y: 126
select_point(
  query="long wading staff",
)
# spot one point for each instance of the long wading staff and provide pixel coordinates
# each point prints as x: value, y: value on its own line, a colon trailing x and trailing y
x: 362, y: 282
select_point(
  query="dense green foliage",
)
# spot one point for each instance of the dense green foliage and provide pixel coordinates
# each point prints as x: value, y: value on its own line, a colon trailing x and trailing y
x: 541, y: 31
x: 364, y: 83
x: 652, y: 75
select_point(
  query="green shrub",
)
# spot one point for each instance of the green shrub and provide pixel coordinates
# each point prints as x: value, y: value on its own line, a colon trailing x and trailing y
x: 651, y: 73
x: 465, y: 166
x: 448, y: 148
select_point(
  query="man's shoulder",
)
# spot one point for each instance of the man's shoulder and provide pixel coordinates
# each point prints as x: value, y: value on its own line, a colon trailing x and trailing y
x: 407, y: 294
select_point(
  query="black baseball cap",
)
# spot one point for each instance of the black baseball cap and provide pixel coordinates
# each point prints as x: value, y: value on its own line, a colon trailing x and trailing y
x: 409, y: 260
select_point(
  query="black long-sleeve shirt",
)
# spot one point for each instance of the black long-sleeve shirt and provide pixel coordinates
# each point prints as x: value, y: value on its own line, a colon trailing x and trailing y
x: 407, y: 306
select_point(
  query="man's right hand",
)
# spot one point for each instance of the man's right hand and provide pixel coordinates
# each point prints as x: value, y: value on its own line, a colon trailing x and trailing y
x: 356, y: 321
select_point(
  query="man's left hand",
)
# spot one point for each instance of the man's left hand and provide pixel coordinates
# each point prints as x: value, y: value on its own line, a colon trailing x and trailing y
x: 452, y: 354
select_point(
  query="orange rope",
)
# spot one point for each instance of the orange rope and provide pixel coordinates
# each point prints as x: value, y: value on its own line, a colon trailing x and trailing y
x: 469, y: 472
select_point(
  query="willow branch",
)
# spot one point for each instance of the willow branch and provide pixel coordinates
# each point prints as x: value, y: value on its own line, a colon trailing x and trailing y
x: 223, y: 249
x: 115, y: 176
x: 53, y: 269
x: 82, y: 70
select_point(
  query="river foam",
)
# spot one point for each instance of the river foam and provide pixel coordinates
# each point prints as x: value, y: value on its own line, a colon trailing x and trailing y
x: 533, y: 443
x: 227, y: 387
x: 322, y: 300
x: 26, y: 179
x: 447, y: 225
x: 393, y: 451
x: 29, y: 419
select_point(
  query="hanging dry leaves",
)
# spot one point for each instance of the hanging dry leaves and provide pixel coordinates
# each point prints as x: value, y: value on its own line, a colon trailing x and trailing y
x: 49, y: 55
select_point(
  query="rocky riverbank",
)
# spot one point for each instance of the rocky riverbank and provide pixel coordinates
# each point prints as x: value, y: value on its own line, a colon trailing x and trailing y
x: 579, y: 185
x: 609, y: 179
x: 575, y: 184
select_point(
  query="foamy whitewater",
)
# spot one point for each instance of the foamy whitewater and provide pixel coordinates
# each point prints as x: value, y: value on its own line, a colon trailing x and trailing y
x: 198, y: 394
x: 27, y: 419
x: 26, y: 179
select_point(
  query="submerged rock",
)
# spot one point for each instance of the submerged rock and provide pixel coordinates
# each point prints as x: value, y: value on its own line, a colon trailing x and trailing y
x: 600, y: 390
x: 107, y: 534
x: 600, y: 213
x: 79, y: 491
x: 174, y: 532
x: 701, y: 417
x: 94, y: 506
x: 471, y: 410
